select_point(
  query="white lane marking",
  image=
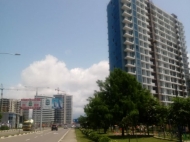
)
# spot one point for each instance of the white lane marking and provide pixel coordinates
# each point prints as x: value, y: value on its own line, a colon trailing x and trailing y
x: 27, y: 139
x: 35, y: 136
x: 63, y: 136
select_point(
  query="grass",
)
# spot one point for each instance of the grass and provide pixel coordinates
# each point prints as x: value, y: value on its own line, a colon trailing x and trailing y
x: 141, y: 139
x: 82, y: 138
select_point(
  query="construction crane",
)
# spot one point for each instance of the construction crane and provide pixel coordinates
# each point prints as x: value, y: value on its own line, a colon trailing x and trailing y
x: 36, y: 88
x: 59, y: 90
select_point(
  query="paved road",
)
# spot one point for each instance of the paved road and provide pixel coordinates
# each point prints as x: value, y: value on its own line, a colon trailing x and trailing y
x: 44, y: 136
x: 10, y: 132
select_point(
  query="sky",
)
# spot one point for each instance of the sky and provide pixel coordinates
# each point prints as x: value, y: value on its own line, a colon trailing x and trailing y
x: 63, y: 44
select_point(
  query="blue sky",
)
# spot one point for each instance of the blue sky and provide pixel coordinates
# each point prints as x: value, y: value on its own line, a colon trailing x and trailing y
x: 74, y: 32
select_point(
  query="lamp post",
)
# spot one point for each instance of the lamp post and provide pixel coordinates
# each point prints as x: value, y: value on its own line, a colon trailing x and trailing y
x: 16, y: 54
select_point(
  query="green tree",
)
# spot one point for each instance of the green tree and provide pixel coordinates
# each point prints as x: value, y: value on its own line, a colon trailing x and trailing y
x: 179, y: 113
x: 1, y: 116
x: 97, y: 112
x: 122, y: 94
x: 83, y: 121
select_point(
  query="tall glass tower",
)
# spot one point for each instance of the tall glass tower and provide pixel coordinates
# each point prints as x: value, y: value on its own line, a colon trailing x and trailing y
x: 149, y: 43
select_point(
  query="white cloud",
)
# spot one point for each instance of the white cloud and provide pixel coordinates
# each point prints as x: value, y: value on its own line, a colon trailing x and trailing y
x: 50, y: 72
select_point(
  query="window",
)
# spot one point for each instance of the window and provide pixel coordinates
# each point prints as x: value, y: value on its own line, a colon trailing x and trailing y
x: 135, y: 26
x: 136, y: 40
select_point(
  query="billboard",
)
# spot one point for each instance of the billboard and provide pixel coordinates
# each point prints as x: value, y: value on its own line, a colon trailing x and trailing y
x: 30, y: 103
x: 57, y: 103
x: 52, y: 103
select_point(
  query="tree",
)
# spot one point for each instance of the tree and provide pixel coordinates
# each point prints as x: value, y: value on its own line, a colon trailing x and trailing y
x: 179, y: 113
x: 1, y: 116
x: 98, y: 113
x: 83, y: 121
x: 122, y: 94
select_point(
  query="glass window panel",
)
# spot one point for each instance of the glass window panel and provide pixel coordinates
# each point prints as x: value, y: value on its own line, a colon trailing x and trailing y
x: 135, y: 25
x: 134, y: 6
x: 136, y: 40
x: 135, y: 20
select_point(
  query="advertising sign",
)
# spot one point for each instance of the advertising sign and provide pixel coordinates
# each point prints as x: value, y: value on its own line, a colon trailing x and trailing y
x: 52, y: 103
x: 47, y: 103
x: 57, y: 103
x: 30, y: 103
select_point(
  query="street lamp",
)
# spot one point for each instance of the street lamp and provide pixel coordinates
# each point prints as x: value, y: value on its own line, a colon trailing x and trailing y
x: 17, y: 54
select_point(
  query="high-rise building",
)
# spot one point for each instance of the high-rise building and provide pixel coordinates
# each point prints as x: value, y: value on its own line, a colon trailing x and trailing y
x: 149, y: 43
x: 47, y: 114
x: 64, y: 115
x: 11, y: 112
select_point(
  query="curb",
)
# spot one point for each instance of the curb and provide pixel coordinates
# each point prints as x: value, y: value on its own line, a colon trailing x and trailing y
x: 14, y: 135
x: 1, y: 131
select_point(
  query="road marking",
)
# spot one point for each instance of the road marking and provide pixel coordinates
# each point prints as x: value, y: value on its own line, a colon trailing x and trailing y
x: 63, y: 136
x: 27, y: 139
x: 35, y: 136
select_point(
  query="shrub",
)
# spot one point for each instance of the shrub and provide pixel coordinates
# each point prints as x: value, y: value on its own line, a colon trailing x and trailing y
x: 4, y: 128
x: 104, y: 139
x: 94, y: 136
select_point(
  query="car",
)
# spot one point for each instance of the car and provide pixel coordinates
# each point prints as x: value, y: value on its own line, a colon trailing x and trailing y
x: 65, y: 126
x: 54, y: 127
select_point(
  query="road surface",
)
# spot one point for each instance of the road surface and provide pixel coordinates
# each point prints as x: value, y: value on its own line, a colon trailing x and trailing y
x: 40, y: 136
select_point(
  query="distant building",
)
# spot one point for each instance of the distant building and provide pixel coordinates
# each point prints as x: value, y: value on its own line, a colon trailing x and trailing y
x: 11, y: 112
x: 64, y: 115
x: 47, y: 114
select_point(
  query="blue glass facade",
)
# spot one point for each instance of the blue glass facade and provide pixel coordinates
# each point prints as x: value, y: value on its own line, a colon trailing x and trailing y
x: 114, y: 35
x: 136, y: 42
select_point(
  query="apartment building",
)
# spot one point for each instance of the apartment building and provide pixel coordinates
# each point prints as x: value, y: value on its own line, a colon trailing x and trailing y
x: 11, y: 112
x: 149, y: 43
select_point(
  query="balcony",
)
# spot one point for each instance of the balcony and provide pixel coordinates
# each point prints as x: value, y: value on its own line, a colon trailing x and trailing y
x: 129, y: 65
x: 129, y: 42
x: 131, y: 72
x: 126, y: 14
x: 130, y: 57
x: 131, y: 49
x: 128, y: 35
x: 127, y: 21
x: 128, y: 27
x: 124, y: 1
x: 126, y: 7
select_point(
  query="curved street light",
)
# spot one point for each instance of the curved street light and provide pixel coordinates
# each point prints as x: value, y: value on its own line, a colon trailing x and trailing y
x: 16, y: 54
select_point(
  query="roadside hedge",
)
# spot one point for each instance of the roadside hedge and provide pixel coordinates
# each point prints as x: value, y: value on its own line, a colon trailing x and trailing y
x: 4, y: 128
x: 94, y: 136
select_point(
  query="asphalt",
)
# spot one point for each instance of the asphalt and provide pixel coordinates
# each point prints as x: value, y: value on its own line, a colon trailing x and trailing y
x: 70, y: 136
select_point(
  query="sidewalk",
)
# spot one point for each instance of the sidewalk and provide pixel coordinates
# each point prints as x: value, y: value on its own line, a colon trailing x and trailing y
x: 71, y: 136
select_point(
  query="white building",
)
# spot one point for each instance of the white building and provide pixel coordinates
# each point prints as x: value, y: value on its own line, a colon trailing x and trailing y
x: 149, y: 43
x: 47, y: 114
